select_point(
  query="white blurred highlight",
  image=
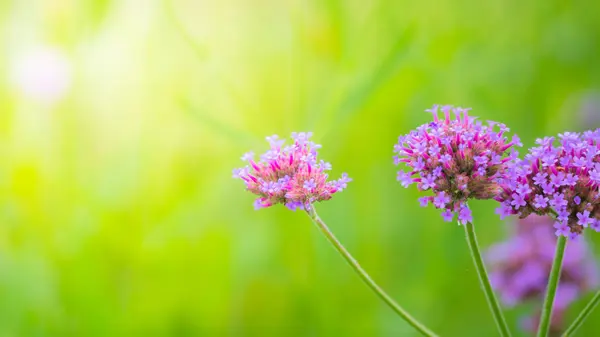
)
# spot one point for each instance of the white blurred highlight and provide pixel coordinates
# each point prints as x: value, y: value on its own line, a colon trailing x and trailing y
x: 42, y: 74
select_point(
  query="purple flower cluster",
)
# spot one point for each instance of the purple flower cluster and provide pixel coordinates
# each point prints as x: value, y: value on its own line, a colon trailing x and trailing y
x: 561, y: 181
x: 289, y: 175
x: 457, y: 158
x: 519, y: 267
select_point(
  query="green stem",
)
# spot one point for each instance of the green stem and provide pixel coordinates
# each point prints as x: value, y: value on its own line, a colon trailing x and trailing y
x: 485, y: 281
x: 544, y: 326
x: 583, y: 315
x: 363, y: 274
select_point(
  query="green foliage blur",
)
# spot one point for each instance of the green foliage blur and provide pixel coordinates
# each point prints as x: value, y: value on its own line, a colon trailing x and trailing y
x: 119, y: 216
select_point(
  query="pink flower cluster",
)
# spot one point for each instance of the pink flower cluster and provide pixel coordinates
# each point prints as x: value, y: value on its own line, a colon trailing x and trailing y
x: 457, y: 158
x: 289, y: 175
x: 561, y: 181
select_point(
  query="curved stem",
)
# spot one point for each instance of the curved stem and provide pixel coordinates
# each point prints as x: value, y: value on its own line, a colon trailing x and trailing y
x: 583, y: 315
x: 363, y: 274
x: 485, y: 280
x: 553, y: 280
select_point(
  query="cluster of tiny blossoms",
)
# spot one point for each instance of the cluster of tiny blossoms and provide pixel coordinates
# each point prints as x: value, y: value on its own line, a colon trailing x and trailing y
x: 289, y: 175
x: 457, y: 158
x: 561, y: 181
x: 519, y: 269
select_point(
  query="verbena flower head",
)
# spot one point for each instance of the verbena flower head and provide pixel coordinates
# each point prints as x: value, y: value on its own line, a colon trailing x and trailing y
x: 558, y: 180
x: 289, y: 174
x: 519, y: 269
x: 457, y: 158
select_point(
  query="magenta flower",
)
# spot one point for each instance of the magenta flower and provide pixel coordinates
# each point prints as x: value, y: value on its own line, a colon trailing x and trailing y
x: 519, y: 269
x: 560, y: 181
x: 458, y: 158
x: 289, y: 175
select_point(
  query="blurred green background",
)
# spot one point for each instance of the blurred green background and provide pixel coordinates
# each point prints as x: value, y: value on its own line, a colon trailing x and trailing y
x: 120, y: 123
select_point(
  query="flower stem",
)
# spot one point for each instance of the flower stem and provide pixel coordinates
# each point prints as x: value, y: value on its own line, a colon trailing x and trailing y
x: 544, y: 326
x: 485, y: 281
x: 363, y: 274
x: 583, y: 315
